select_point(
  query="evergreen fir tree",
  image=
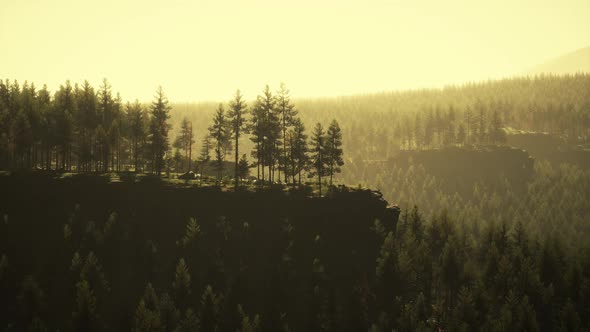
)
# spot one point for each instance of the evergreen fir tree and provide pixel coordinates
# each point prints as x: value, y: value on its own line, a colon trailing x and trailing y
x: 159, y: 131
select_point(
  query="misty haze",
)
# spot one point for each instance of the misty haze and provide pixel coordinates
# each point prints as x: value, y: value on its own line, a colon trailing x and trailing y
x: 377, y: 165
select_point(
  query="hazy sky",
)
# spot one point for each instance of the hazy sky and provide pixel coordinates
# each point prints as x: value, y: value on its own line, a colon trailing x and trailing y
x: 206, y: 49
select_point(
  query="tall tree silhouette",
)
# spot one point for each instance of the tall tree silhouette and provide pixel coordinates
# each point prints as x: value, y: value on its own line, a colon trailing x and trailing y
x: 182, y: 284
x: 334, y: 149
x: 298, y: 149
x: 65, y: 108
x: 318, y: 154
x: 159, y: 130
x: 266, y: 131
x: 243, y: 167
x: 220, y: 133
x: 236, y: 114
x: 137, y: 132
x: 205, y: 155
x: 106, y: 105
x: 87, y: 120
x: 256, y: 129
x: 85, y: 317
x: 185, y: 140
x: 287, y: 114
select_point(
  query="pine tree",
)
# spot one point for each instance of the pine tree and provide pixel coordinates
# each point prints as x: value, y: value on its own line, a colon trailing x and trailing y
x: 4, y: 124
x: 189, y: 323
x: 106, y: 105
x: 182, y: 284
x: 287, y: 114
x: 185, y: 140
x: 210, y: 309
x: 30, y: 302
x: 387, y: 266
x: 92, y: 272
x: 87, y: 122
x: 193, y: 229
x: 237, y: 113
x: 115, y: 132
x: 159, y: 130
x: 205, y: 156
x: 334, y: 149
x: 318, y: 154
x: 266, y: 131
x: 169, y: 315
x: 220, y: 133
x: 30, y: 106
x: 84, y: 317
x: 298, y: 149
x: 14, y: 107
x: 102, y: 146
x: 23, y: 139
x: 65, y: 108
x: 451, y: 270
x: 44, y: 103
x: 147, y: 315
x: 243, y: 167
x: 137, y: 132
x: 248, y: 324
x: 115, y: 143
x: 255, y: 127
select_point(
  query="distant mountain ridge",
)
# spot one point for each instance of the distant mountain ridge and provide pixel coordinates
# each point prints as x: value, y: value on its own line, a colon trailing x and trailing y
x: 569, y: 63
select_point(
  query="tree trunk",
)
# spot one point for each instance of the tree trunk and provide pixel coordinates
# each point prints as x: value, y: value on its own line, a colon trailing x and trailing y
x: 135, y: 155
x: 236, y: 162
x: 190, y: 148
x: 258, y: 160
x: 320, y: 169
x: 120, y: 161
x: 285, y: 151
x: 293, y: 169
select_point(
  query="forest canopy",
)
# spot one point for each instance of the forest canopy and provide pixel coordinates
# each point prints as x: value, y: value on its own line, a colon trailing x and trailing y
x: 488, y: 187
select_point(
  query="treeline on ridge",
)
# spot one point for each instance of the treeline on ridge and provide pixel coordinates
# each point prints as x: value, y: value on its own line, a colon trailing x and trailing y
x: 85, y: 130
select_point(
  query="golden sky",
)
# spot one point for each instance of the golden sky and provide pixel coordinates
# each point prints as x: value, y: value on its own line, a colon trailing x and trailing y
x: 206, y: 49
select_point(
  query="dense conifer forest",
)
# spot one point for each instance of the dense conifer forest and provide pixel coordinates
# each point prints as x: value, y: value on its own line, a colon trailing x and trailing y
x: 153, y: 257
x: 254, y: 215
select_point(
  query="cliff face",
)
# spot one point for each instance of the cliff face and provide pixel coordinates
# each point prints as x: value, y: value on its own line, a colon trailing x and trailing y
x: 544, y: 146
x: 248, y: 236
x: 164, y: 206
x: 471, y: 164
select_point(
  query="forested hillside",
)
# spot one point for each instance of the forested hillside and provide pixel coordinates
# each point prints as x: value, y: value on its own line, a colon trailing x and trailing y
x: 152, y: 257
x: 550, y: 115
x: 376, y: 126
x: 396, y: 142
x: 241, y: 216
